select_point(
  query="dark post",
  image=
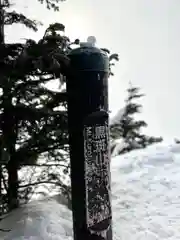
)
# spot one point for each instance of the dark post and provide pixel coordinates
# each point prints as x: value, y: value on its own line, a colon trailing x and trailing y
x: 87, y: 88
x: 1, y: 47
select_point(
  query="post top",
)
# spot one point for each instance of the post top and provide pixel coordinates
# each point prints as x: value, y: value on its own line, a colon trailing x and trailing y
x: 88, y: 57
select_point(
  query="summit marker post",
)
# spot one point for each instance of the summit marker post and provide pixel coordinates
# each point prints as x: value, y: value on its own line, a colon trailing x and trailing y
x: 87, y: 89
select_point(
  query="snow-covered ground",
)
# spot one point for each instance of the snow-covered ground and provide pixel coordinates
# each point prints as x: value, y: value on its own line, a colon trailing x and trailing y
x: 145, y: 198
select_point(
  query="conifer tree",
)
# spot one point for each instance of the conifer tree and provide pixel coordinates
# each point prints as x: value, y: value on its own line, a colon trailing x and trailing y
x: 128, y: 129
x: 12, y: 76
x: 33, y: 129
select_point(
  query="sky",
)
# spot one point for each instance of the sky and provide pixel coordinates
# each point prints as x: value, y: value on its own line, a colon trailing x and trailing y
x: 145, y: 34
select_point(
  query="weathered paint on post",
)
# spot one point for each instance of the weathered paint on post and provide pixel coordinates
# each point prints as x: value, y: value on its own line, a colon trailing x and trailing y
x: 97, y: 173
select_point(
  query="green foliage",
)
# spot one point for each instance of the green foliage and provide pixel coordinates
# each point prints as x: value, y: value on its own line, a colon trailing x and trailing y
x: 14, y: 17
x: 128, y: 129
x: 51, y: 4
x: 34, y: 123
x: 34, y: 133
x: 33, y: 126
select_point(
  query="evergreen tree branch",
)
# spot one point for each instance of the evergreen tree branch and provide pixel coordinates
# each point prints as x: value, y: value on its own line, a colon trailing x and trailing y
x: 14, y: 17
x: 51, y: 4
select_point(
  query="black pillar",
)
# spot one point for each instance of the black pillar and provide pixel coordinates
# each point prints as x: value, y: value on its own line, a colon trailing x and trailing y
x: 87, y: 88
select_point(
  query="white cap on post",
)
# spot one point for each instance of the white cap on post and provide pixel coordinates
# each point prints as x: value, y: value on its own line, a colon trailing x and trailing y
x: 91, y: 41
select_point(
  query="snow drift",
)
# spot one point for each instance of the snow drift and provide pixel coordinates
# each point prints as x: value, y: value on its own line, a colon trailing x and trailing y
x: 145, y: 198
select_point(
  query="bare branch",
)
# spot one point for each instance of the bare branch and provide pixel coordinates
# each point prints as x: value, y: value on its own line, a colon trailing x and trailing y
x: 41, y: 182
x: 4, y: 230
x: 45, y: 165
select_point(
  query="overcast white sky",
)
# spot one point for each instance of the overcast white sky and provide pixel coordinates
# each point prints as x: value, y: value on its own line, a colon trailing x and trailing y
x: 145, y: 33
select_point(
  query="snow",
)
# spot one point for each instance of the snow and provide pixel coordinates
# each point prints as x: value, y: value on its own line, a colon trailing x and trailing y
x: 40, y: 220
x: 145, y: 198
x: 119, y: 144
x: 117, y: 118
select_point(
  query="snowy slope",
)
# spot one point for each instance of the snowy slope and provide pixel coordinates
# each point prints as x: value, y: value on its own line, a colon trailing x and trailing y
x: 43, y: 220
x: 145, y: 195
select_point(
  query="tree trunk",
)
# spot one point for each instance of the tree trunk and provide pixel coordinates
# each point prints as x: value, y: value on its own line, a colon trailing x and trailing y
x: 9, y: 129
x: 13, y: 200
x: 1, y: 22
x: 10, y: 135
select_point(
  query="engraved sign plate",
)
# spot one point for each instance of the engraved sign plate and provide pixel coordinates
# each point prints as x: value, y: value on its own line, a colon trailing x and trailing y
x: 97, y: 170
